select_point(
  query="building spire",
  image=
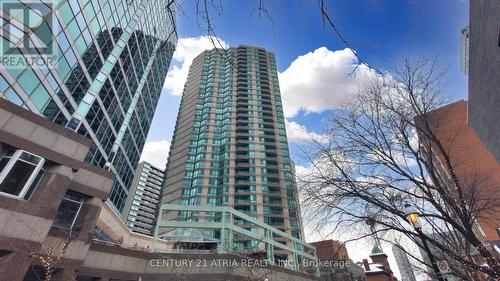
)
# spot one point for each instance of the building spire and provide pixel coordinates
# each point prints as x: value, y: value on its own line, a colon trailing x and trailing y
x: 377, y: 246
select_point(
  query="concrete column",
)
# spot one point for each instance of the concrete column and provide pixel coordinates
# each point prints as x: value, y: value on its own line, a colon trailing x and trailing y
x: 13, y: 266
x: 87, y: 217
x: 64, y: 274
x: 222, y: 246
x: 270, y: 247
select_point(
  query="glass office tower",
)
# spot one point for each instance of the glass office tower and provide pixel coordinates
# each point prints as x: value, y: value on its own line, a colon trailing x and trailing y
x: 230, y: 146
x: 94, y: 66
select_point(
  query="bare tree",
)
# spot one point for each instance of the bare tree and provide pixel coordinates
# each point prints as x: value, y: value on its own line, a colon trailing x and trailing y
x: 52, y: 253
x: 373, y: 164
x: 206, y: 13
x: 53, y: 257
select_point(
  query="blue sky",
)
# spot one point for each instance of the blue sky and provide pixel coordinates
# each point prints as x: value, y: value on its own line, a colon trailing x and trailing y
x: 314, y: 79
x: 382, y: 32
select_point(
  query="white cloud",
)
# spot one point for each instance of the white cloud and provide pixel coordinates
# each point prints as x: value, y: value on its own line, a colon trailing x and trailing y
x: 300, y: 134
x: 320, y: 80
x: 322, y: 166
x: 156, y: 153
x: 187, y: 49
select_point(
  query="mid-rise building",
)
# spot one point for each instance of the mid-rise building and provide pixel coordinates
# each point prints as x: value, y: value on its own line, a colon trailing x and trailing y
x: 469, y: 131
x: 475, y: 168
x: 96, y: 67
x: 404, y: 265
x: 484, y: 69
x: 141, y: 209
x: 335, y: 263
x: 229, y: 146
x: 474, y: 165
x: 331, y: 250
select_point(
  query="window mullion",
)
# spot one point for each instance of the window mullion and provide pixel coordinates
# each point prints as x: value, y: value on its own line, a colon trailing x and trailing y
x: 9, y: 165
x: 77, y: 213
x: 28, y: 184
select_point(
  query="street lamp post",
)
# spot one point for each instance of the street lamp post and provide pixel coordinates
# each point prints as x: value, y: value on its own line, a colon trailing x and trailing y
x: 412, y: 215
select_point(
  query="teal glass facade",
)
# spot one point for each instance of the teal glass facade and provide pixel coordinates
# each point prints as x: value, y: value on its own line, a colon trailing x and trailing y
x: 230, y: 145
x: 103, y: 67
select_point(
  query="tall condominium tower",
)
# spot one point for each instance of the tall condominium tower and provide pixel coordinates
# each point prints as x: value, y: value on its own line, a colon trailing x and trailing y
x: 229, y: 146
x: 484, y: 70
x: 142, y: 205
x: 94, y: 66
x: 404, y: 265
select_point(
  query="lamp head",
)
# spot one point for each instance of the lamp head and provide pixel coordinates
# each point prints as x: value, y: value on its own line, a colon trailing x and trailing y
x: 412, y: 215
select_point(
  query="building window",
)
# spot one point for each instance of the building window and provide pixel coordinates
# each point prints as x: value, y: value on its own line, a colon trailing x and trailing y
x: 21, y: 171
x: 68, y: 210
x: 100, y: 234
x: 499, y: 37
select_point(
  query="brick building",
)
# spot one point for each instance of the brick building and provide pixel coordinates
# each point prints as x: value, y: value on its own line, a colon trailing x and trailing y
x: 475, y: 166
x: 379, y: 269
x: 341, y: 267
x: 331, y: 250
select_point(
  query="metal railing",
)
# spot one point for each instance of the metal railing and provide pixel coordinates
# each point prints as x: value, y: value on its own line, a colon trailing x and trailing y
x: 296, y: 250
